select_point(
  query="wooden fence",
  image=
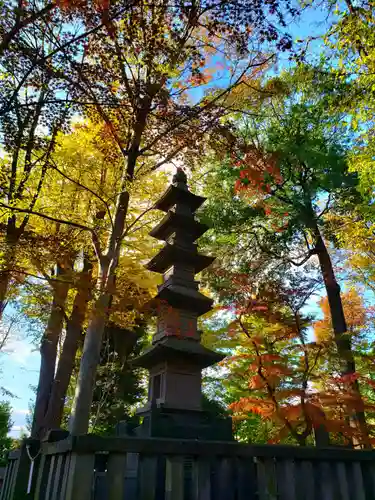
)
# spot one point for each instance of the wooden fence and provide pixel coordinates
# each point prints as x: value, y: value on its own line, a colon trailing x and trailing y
x: 94, y: 468
x: 9, y: 483
x: 18, y: 481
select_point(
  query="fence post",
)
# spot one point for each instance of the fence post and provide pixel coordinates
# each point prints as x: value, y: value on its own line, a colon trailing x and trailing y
x: 80, y: 476
x: 19, y: 477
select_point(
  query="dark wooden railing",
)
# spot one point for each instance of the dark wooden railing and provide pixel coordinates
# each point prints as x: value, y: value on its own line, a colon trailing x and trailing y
x: 18, y: 482
x: 9, y: 484
x: 94, y: 468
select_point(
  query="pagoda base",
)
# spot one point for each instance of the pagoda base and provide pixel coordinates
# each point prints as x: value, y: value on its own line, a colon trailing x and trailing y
x: 161, y: 422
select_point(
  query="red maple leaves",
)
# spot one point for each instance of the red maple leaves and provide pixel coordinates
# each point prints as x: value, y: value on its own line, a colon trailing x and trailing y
x: 258, y: 171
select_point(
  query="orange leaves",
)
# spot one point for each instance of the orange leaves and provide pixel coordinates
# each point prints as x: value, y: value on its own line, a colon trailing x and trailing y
x: 201, y: 74
x: 355, y: 315
x: 267, y: 210
x: 292, y: 413
x: 65, y: 4
x: 288, y: 381
x: 256, y: 382
x: 101, y: 6
x: 348, y: 378
x: 258, y: 406
x: 269, y: 358
x: 72, y: 4
x: 258, y: 172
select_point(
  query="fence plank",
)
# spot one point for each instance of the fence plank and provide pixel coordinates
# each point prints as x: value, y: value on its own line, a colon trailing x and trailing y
x: 65, y: 474
x: 342, y: 481
x: 201, y: 479
x: 116, y: 467
x: 13, y: 478
x: 226, y: 489
x: 267, y: 486
x: 147, y: 477
x: 286, y: 479
x: 51, y: 477
x: 131, y: 476
x: 358, y: 486
x: 58, y: 477
x: 307, y: 480
x: 246, y: 479
x: 326, y: 481
x: 5, y: 486
x: 7, y: 480
x: 174, y: 478
x: 369, y: 480
x: 80, y: 475
x: 41, y: 480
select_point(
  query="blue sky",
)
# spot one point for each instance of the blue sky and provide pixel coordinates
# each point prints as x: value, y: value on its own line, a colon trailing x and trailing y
x: 19, y: 368
x: 19, y: 363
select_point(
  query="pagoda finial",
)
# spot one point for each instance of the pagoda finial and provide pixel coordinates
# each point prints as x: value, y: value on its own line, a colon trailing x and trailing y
x: 180, y: 179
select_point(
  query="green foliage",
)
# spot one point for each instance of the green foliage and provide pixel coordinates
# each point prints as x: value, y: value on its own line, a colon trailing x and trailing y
x: 119, y: 387
x: 270, y: 192
x: 273, y: 192
x: 5, y: 427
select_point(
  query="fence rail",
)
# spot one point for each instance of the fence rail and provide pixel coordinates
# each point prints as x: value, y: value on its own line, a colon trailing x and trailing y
x: 94, y: 468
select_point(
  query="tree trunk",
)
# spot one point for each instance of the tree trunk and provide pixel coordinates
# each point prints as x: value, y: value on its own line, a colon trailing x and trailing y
x: 11, y: 241
x: 48, y: 352
x: 341, y: 336
x: 66, y: 362
x: 79, y: 421
x: 4, y: 286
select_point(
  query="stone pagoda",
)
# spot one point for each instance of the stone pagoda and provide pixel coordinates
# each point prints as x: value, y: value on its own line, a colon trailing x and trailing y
x: 176, y: 357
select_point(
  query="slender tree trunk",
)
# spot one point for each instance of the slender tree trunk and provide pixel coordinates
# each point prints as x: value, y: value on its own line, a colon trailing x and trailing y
x: 48, y: 352
x: 66, y: 362
x: 341, y: 335
x: 11, y: 241
x: 80, y: 416
x: 4, y: 286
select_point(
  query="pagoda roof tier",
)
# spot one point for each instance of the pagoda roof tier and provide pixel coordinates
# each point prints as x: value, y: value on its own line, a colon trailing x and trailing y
x: 175, y: 195
x: 181, y: 297
x: 171, y: 254
x: 173, y: 221
x: 175, y: 349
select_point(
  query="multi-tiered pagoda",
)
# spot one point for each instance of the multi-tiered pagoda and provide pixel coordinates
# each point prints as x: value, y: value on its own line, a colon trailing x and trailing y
x: 176, y: 358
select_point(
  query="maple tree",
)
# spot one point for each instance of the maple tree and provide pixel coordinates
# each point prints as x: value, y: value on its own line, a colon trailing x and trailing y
x: 336, y: 390
x: 290, y: 171
x: 281, y: 384
x: 272, y: 365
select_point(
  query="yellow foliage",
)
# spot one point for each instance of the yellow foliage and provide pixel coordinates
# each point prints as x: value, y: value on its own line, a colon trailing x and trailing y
x: 78, y: 199
x: 355, y: 315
